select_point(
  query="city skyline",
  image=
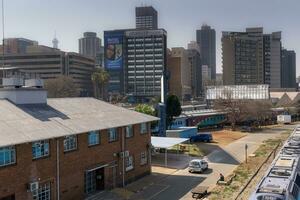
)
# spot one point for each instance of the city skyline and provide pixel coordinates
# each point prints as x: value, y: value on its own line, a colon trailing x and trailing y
x: 230, y: 15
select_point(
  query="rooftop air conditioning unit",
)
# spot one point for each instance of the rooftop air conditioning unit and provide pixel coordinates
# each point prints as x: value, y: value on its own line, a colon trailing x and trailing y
x: 38, y: 83
x: 12, y: 82
x: 34, y: 186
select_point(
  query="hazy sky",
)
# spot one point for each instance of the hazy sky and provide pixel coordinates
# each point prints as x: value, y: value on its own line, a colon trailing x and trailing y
x: 38, y: 19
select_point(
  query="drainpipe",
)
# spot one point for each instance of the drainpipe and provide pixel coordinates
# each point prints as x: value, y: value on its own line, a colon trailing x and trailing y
x: 57, y: 169
x: 123, y: 150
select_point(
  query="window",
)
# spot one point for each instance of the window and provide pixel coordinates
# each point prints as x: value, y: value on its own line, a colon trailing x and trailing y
x: 112, y: 134
x: 144, y: 158
x: 40, y: 149
x: 43, y: 193
x: 93, y: 138
x: 129, y: 131
x: 70, y: 143
x: 7, y: 155
x: 144, y: 128
x: 129, y: 163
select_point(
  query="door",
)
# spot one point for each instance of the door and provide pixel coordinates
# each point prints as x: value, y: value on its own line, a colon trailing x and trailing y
x: 100, y: 179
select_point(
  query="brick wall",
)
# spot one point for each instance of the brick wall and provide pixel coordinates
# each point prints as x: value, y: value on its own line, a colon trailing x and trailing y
x: 14, y: 178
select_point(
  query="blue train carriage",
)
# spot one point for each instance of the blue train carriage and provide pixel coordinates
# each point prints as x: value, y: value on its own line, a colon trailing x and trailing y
x: 207, y: 120
x: 282, y: 180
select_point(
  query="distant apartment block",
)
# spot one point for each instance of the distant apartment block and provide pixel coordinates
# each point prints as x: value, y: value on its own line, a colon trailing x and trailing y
x: 179, y: 68
x: 68, y: 148
x: 48, y: 63
x: 288, y: 69
x: 16, y: 45
x: 146, y: 17
x: 206, y: 38
x: 251, y: 57
x: 90, y: 46
x: 206, y: 75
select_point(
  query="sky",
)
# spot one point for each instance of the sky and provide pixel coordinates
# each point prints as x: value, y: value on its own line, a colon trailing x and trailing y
x: 40, y: 19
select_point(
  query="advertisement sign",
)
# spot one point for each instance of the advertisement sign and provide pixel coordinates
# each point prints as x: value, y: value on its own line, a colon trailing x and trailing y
x: 113, y: 51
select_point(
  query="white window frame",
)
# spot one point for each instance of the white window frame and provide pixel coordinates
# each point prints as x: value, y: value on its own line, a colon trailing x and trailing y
x: 97, y: 139
x: 129, y: 163
x: 43, y: 192
x: 144, y: 158
x: 112, y: 132
x: 12, y: 155
x: 70, y: 143
x: 144, y: 130
x: 41, y: 146
x: 129, y: 131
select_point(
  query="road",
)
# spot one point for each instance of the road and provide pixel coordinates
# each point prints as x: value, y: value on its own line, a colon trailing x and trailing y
x: 223, y: 160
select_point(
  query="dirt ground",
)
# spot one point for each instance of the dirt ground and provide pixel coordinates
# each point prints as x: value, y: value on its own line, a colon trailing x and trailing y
x: 220, y: 139
x: 225, y: 137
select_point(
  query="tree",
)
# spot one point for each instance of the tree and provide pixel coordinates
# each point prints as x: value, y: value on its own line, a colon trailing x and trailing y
x: 146, y: 109
x: 100, y: 79
x: 234, y: 108
x: 62, y: 86
x: 240, y: 110
x: 173, y: 108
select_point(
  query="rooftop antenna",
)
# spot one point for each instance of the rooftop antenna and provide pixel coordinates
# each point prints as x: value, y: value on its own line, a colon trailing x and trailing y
x: 3, y: 48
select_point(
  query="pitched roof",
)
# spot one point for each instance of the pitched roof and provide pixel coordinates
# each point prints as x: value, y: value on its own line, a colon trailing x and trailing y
x: 61, y: 117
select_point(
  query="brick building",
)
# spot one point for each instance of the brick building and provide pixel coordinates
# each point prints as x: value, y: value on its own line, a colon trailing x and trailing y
x: 67, y: 148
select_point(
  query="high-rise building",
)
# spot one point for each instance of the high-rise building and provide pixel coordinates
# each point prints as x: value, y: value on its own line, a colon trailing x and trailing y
x: 251, y: 57
x: 196, y: 68
x: 288, y: 69
x: 146, y: 17
x: 145, y: 62
x: 135, y: 60
x: 90, y: 45
x: 179, y: 68
x: 206, y: 38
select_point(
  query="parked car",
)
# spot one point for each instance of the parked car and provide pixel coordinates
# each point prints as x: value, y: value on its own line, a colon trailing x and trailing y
x: 202, y: 137
x: 198, y: 165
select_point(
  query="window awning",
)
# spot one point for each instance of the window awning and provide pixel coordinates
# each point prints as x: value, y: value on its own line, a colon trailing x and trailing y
x: 166, y: 142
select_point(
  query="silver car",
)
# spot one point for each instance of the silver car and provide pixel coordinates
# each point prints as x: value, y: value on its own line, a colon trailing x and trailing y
x: 198, y: 165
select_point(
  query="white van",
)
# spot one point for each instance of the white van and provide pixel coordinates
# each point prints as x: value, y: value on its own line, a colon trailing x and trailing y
x: 198, y: 165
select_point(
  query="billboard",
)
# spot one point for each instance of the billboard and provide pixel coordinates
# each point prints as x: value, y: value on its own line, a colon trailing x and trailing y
x: 113, y: 50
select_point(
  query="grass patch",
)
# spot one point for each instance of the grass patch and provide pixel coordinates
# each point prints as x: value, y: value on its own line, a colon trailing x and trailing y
x: 190, y: 149
x: 245, y: 171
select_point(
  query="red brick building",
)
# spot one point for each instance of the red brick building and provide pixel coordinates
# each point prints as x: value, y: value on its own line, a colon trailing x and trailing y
x: 69, y: 148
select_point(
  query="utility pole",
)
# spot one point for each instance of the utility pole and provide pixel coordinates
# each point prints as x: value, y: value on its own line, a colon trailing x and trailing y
x: 246, y: 148
x: 3, y: 49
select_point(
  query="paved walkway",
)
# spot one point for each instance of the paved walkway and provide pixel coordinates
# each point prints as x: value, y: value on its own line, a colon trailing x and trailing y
x: 166, y: 183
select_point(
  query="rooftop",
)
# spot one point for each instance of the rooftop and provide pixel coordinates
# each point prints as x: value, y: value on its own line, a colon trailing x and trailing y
x: 61, y: 117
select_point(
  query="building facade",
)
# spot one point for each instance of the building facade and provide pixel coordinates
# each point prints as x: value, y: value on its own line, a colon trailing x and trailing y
x: 80, y: 152
x: 206, y: 38
x: 288, y: 69
x: 179, y: 68
x: 90, y: 46
x: 145, y: 63
x: 251, y: 57
x: 146, y: 17
x: 16, y: 45
x: 49, y: 63
x: 135, y: 60
x: 196, y: 72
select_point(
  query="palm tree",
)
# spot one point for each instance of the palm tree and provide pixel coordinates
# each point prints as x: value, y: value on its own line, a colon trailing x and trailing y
x: 100, y: 79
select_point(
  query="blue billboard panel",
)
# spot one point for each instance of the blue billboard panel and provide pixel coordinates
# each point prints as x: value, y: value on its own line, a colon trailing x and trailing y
x: 113, y: 51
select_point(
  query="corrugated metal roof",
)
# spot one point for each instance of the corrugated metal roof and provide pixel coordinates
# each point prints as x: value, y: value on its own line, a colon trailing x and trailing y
x: 61, y: 117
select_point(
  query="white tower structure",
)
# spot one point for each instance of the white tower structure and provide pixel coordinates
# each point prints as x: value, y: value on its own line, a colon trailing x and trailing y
x: 55, y: 42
